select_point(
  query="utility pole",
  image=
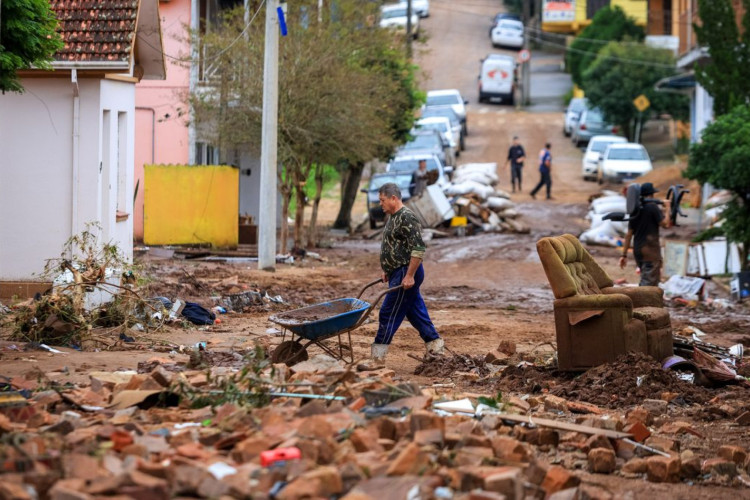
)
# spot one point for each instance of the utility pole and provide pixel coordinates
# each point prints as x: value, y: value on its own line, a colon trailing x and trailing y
x: 268, y: 151
x: 526, y: 67
x: 409, y: 27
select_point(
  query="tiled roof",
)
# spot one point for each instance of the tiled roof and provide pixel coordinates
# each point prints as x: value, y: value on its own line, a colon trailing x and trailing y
x: 96, y: 30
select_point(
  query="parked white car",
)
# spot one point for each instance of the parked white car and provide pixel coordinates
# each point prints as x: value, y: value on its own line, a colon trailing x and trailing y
x: 508, y: 33
x: 449, y: 98
x: 422, y: 7
x: 393, y: 16
x: 594, y: 151
x: 621, y: 162
x: 572, y: 114
x: 443, y: 125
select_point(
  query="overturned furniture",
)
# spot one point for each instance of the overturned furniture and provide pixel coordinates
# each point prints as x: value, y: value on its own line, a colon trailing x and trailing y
x: 595, y: 321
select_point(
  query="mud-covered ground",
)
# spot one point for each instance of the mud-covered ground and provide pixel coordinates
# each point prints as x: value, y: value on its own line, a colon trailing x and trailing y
x: 480, y: 290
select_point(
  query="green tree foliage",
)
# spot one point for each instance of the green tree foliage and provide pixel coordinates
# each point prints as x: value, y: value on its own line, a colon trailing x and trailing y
x: 28, y: 37
x: 623, y: 72
x: 727, y: 75
x: 609, y: 24
x: 722, y: 159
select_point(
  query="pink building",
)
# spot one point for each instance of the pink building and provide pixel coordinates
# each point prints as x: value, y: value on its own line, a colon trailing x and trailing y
x: 161, y: 118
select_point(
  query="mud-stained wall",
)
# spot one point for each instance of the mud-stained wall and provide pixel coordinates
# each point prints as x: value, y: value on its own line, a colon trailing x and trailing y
x: 191, y: 204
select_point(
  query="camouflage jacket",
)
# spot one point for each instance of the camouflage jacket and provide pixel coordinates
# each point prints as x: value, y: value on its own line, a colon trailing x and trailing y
x: 402, y: 240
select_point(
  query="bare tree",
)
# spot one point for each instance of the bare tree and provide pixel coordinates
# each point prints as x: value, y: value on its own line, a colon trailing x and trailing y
x: 336, y: 104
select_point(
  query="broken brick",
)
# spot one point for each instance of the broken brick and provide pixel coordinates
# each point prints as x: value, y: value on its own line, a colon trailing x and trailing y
x: 508, y: 483
x: 557, y: 479
x: 602, y: 460
x: 663, y: 469
x: 734, y: 454
x: 639, y: 431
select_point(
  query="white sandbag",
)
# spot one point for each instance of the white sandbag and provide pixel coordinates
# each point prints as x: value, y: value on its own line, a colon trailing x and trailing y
x: 593, y: 237
x: 612, y: 206
x: 607, y: 201
x: 509, y: 213
x: 620, y: 227
x: 479, y: 177
x: 496, y: 203
x: 501, y: 194
x: 468, y: 187
x: 486, y: 168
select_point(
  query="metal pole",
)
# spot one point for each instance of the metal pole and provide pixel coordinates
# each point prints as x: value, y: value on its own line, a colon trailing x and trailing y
x: 408, y: 28
x: 268, y: 151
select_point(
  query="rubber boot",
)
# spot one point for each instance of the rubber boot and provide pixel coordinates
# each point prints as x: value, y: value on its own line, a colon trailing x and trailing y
x: 436, y: 346
x: 377, y: 358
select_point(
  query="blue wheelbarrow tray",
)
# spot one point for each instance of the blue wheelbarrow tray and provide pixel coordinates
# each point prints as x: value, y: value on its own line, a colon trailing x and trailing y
x: 322, y: 320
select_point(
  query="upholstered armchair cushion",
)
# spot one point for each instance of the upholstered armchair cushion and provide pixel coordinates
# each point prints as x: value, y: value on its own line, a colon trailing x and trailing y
x: 569, y: 267
x: 642, y: 296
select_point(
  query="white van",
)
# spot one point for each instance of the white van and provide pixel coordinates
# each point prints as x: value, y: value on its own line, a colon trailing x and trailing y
x: 497, y: 78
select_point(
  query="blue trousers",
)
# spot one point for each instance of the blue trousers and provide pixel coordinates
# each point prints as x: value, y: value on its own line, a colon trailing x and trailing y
x: 407, y: 304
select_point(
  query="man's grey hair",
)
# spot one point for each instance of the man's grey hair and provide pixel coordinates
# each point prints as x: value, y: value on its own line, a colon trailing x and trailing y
x: 390, y: 189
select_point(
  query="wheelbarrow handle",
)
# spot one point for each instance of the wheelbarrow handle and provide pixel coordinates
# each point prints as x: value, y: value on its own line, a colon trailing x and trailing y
x: 373, y: 283
x: 374, y: 304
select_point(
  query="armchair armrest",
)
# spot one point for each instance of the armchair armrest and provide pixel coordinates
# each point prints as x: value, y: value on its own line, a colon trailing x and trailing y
x: 642, y: 296
x: 595, y: 302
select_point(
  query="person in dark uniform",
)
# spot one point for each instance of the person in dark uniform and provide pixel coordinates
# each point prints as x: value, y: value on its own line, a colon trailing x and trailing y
x: 644, y: 231
x: 401, y: 254
x: 516, y: 157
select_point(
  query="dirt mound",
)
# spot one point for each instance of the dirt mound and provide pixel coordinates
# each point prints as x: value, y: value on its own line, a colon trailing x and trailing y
x: 628, y: 381
x: 445, y: 366
x: 530, y: 379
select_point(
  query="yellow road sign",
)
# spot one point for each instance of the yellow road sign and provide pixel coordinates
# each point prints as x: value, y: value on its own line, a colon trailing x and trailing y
x: 641, y: 103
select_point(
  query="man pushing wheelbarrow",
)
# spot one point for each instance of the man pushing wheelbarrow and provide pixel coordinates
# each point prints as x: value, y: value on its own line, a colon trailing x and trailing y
x: 401, y: 254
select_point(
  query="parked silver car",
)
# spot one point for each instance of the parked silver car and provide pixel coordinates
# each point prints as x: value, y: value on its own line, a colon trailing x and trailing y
x: 590, y: 124
x: 572, y: 114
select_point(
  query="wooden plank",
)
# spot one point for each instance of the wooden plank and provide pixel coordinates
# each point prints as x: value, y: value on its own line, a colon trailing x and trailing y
x: 563, y: 426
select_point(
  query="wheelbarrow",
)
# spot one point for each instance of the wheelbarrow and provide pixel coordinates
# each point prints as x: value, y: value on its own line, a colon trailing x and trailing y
x: 320, y: 322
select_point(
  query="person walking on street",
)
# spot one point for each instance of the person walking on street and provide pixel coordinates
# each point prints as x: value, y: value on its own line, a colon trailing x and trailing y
x: 545, y: 165
x: 419, y: 180
x: 643, y: 229
x: 516, y: 157
x: 401, y: 254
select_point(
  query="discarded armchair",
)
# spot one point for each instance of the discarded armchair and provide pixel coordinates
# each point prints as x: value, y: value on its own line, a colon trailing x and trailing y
x: 594, y: 321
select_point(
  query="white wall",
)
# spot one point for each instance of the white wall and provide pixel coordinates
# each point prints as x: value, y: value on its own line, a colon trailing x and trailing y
x: 36, y: 169
x: 119, y: 99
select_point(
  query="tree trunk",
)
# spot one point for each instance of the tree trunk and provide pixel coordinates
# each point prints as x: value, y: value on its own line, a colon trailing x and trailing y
x: 312, y: 234
x: 285, y: 188
x: 299, y: 215
x: 350, y: 187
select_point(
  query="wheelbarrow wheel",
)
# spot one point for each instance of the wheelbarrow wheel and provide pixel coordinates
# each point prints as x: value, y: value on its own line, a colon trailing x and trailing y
x: 290, y: 352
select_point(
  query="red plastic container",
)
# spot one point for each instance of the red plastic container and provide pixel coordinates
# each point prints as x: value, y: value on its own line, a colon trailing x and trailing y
x: 271, y: 457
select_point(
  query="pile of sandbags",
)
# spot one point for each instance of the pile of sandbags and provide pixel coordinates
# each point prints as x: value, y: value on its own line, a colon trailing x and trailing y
x: 605, y: 232
x: 475, y: 196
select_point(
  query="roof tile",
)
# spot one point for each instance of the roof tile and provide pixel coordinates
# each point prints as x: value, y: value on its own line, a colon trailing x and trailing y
x: 96, y: 30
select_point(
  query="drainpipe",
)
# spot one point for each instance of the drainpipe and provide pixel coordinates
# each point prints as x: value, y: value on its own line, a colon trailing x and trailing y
x: 76, y: 156
x: 153, y: 130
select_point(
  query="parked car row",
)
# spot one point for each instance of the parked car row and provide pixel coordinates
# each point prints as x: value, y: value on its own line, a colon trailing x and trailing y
x: 394, y: 16
x: 437, y: 138
x: 608, y: 157
x: 611, y: 158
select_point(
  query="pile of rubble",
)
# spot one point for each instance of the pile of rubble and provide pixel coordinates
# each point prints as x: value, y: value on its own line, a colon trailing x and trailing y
x: 474, y: 195
x: 320, y: 430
